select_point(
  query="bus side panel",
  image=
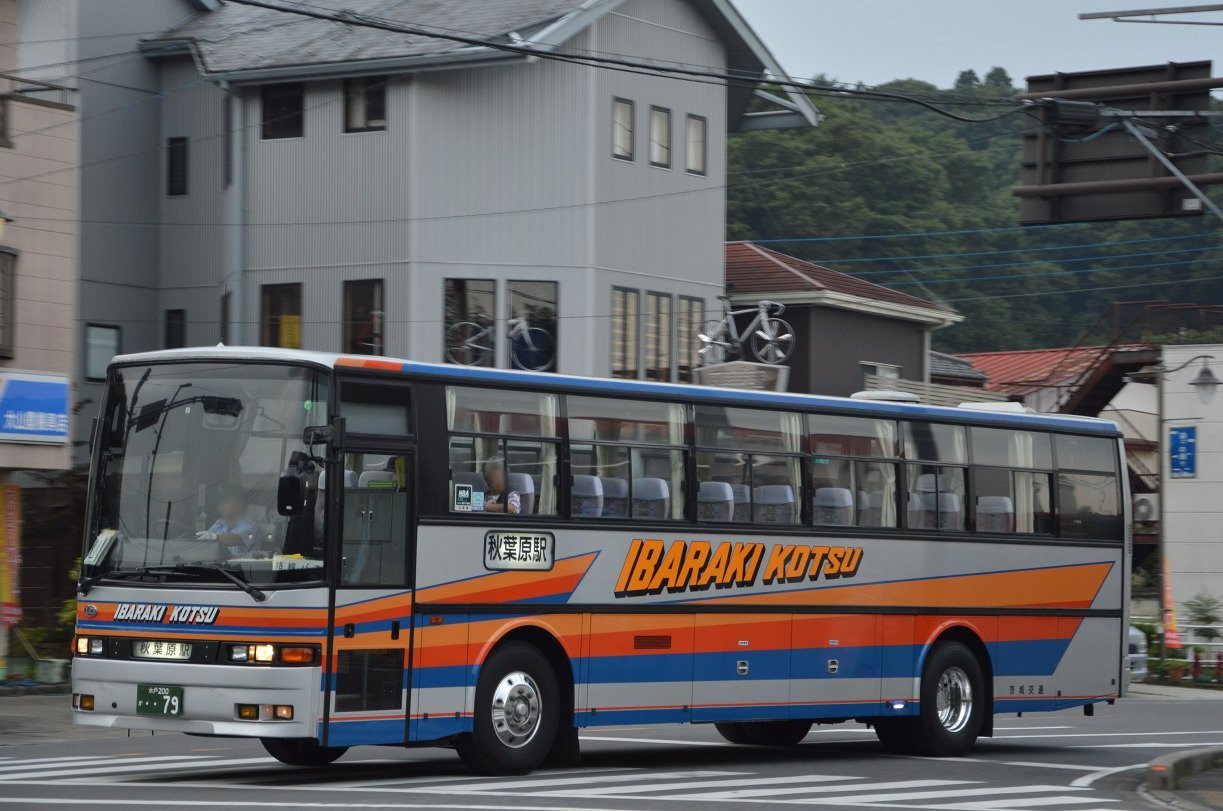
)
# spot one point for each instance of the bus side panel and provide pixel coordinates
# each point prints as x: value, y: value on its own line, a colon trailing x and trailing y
x: 442, y: 675
x: 836, y: 664
x: 898, y: 661
x: 742, y: 667
x: 639, y: 669
x: 1065, y: 673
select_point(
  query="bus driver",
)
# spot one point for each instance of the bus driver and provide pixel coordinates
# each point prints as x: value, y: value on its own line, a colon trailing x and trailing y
x: 233, y: 532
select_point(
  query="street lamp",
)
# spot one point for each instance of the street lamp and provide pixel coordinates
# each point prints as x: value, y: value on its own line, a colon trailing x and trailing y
x: 1204, y: 382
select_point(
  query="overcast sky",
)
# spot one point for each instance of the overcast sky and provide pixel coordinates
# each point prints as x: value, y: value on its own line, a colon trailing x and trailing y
x: 874, y: 41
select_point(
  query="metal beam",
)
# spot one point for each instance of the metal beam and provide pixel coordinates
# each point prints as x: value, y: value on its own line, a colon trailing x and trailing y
x: 1129, y: 90
x: 1126, y: 184
x: 1151, y: 12
x: 1157, y: 153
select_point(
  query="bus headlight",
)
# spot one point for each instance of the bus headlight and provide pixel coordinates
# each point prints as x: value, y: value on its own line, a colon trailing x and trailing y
x: 263, y: 653
x: 239, y: 653
x: 90, y: 646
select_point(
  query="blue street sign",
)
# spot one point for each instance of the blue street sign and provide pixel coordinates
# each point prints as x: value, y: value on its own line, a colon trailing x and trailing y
x: 1183, y: 452
x: 33, y: 408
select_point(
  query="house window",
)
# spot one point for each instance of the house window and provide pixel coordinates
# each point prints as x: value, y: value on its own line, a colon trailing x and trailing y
x: 622, y: 129
x: 884, y: 371
x: 363, y: 317
x: 532, y: 325
x: 226, y: 298
x: 284, y: 110
x: 697, y: 133
x: 625, y: 329
x: 281, y: 309
x: 365, y: 104
x: 658, y: 336
x: 101, y: 344
x: 689, y: 315
x: 176, y: 167
x: 8, y: 301
x: 227, y: 112
x: 660, y: 137
x: 469, y: 308
x: 176, y: 329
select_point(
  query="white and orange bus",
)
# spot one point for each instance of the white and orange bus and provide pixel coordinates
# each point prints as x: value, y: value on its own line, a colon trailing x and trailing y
x: 324, y: 551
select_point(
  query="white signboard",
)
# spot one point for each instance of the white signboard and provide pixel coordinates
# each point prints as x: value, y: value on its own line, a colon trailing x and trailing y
x: 518, y: 551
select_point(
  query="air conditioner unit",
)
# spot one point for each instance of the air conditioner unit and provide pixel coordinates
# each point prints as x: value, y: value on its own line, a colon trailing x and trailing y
x: 1146, y: 507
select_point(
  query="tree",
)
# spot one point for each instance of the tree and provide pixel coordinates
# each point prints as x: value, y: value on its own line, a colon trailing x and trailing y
x: 998, y: 82
x: 1205, y: 610
x: 967, y: 80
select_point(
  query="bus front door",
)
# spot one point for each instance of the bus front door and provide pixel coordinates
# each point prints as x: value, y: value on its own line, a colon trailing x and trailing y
x: 371, y: 637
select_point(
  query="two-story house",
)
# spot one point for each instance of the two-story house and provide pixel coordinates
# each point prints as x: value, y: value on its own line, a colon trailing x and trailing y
x: 292, y: 181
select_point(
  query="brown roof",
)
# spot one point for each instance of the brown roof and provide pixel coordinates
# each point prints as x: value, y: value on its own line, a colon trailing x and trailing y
x: 1027, y: 370
x: 751, y: 268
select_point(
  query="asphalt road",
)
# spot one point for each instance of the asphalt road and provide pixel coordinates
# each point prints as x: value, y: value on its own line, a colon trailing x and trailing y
x: 1057, y: 761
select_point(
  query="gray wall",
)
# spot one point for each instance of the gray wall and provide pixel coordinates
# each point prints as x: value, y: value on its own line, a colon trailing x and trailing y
x: 832, y: 345
x: 120, y: 175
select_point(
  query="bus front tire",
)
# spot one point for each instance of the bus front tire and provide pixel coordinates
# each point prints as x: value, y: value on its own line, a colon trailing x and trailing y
x: 518, y: 709
x: 764, y: 733
x: 302, y: 751
x: 952, y: 709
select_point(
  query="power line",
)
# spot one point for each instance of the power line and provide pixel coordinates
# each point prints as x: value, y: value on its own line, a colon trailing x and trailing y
x: 1084, y: 289
x: 1024, y: 276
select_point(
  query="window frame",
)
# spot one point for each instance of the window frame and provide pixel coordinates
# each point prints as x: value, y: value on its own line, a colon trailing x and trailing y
x: 178, y: 166
x: 669, y: 146
x: 647, y: 364
x: 380, y: 83
x: 635, y: 333
x: 348, y: 323
x: 8, y: 302
x: 556, y: 317
x: 227, y: 123
x: 631, y: 155
x: 689, y: 344
x: 299, y: 114
x: 174, y: 319
x: 117, y: 330
x: 264, y: 322
x: 975, y: 489
x: 690, y: 119
x: 491, y: 362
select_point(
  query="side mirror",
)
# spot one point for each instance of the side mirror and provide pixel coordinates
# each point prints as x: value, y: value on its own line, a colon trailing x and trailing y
x: 291, y: 495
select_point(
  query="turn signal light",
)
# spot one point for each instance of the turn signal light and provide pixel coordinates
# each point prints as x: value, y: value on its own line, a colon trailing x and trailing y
x: 297, y: 655
x: 248, y: 712
x: 87, y: 703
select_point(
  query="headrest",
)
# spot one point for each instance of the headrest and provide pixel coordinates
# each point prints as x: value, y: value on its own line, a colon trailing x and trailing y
x: 370, y: 476
x: 614, y: 488
x: 833, y: 497
x: 651, y: 489
x: 774, y: 494
x: 476, y: 480
x: 520, y: 483
x: 995, y: 505
x: 714, y: 492
x: 587, y: 487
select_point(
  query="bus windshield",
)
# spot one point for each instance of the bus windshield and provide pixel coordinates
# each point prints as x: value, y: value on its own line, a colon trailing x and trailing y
x: 187, y: 472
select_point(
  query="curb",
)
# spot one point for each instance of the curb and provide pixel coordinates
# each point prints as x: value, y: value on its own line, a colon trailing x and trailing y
x: 1165, y: 773
x: 35, y: 690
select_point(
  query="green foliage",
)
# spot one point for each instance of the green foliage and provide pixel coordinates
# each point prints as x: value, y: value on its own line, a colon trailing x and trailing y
x: 876, y: 167
x: 1206, y: 610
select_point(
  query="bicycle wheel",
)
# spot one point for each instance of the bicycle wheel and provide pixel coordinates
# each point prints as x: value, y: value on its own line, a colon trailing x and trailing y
x: 464, y: 344
x: 712, y: 344
x: 774, y: 342
x: 533, y: 350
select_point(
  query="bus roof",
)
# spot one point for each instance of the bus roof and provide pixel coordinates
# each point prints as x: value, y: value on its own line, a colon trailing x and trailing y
x: 617, y: 387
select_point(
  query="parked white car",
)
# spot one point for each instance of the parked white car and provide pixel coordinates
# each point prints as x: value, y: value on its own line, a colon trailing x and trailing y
x: 1136, y: 655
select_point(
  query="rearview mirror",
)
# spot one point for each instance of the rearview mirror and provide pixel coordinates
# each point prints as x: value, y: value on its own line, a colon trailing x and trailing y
x: 291, y: 495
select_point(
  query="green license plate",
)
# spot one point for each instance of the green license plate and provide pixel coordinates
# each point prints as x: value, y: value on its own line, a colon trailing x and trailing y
x: 159, y: 699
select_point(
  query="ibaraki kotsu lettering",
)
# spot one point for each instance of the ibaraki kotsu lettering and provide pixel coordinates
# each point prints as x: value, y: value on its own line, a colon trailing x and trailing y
x: 166, y: 614
x: 652, y: 566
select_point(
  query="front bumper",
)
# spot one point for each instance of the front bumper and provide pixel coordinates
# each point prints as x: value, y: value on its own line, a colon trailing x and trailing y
x: 211, y: 694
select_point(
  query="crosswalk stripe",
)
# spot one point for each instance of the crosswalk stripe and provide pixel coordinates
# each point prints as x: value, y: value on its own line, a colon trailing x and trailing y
x: 853, y: 799
x: 166, y: 762
x: 73, y: 762
x: 750, y: 781
x: 455, y: 778
x: 476, y: 788
x: 1024, y: 802
x: 778, y: 792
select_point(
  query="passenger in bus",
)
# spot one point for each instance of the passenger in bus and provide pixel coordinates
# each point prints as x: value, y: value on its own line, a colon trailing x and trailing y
x: 233, y: 531
x: 497, y: 500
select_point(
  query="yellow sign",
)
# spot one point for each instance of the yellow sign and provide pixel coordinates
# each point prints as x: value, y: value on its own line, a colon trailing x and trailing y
x: 10, y: 555
x: 290, y: 332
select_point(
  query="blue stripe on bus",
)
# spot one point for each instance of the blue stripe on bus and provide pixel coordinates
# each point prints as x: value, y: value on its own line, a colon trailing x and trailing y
x: 370, y: 731
x: 697, y: 393
x: 436, y: 728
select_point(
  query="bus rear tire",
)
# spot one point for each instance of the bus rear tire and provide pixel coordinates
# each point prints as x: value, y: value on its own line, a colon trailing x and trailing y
x: 952, y: 709
x: 302, y: 751
x: 764, y: 733
x: 518, y: 709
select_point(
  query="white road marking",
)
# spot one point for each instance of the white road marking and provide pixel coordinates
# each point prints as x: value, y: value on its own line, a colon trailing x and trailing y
x: 752, y: 793
x: 1022, y: 802
x: 111, y: 765
x: 79, y: 760
x: 1106, y: 735
x: 528, y: 784
x: 455, y: 778
x: 854, y: 799
x: 599, y: 791
x: 68, y: 802
x: 1027, y: 729
x: 1149, y: 745
x: 1088, y: 779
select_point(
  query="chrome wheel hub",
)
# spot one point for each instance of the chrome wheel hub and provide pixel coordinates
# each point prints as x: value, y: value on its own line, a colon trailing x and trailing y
x: 954, y: 699
x: 516, y: 709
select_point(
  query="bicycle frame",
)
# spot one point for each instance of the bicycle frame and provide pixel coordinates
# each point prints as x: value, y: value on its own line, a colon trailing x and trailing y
x: 762, y: 310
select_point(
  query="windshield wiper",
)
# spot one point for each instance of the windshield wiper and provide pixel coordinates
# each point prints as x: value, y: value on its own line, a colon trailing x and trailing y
x: 126, y: 574
x: 193, y: 569
x: 237, y: 580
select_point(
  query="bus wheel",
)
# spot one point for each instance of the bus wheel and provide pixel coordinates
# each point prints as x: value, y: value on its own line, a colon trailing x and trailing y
x: 302, y: 751
x: 517, y: 713
x: 764, y: 733
x: 953, y: 707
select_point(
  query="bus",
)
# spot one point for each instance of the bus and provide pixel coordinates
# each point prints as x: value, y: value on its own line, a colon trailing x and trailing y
x: 324, y: 551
